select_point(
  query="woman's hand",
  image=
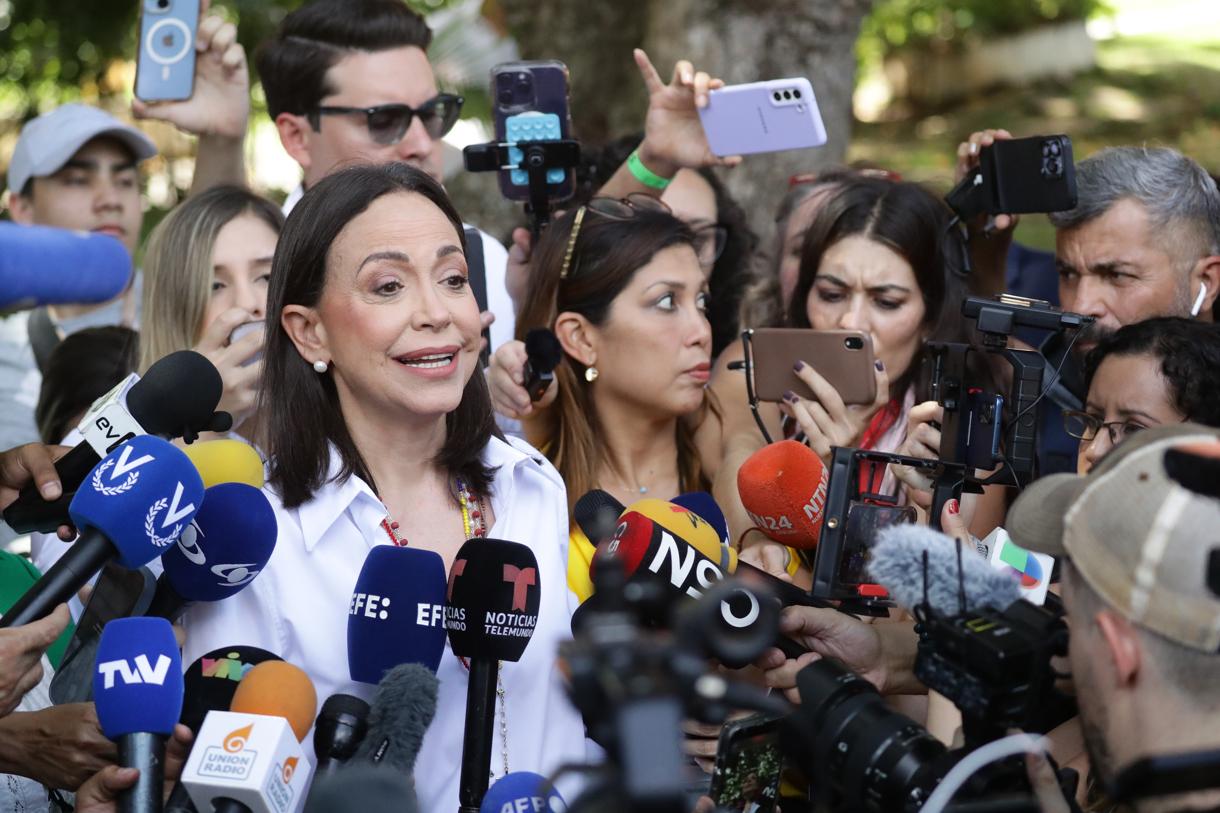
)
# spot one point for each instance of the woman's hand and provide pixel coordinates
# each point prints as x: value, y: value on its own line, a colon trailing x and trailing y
x: 923, y: 441
x: 989, y: 244
x: 240, y: 383
x: 827, y: 421
x: 506, y: 380
x: 769, y: 557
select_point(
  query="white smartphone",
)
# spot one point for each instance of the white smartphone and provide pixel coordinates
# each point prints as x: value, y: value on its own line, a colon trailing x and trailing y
x: 762, y: 117
x: 243, y: 330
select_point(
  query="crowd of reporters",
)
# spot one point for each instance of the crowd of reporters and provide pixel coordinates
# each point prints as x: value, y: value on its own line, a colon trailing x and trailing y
x: 361, y: 384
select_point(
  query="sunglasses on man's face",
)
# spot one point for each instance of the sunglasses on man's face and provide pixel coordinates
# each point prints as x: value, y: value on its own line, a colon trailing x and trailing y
x: 388, y: 123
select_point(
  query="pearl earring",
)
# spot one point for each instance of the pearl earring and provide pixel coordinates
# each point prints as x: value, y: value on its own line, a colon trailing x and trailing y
x: 590, y: 374
x: 319, y: 366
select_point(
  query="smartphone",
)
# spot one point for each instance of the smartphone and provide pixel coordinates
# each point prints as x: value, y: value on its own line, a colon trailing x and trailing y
x: 843, y: 357
x: 979, y: 430
x: 749, y: 765
x: 1024, y: 175
x: 165, y: 61
x: 530, y: 103
x: 244, y: 330
x: 762, y: 117
x: 864, y: 521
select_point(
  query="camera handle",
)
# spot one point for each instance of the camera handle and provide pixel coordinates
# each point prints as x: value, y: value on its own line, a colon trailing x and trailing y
x: 537, y: 158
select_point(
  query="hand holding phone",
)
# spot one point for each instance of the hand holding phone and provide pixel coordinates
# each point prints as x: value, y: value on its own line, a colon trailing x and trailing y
x: 843, y: 357
x: 763, y: 117
x: 244, y: 330
x: 165, y: 61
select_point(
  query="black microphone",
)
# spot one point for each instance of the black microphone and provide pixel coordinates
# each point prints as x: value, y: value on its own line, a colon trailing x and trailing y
x: 339, y: 730
x: 494, y: 595
x: 542, y: 355
x: 177, y: 397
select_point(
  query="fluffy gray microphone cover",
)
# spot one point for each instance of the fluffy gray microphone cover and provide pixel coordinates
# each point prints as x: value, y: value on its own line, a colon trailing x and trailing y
x: 401, y: 711
x: 897, y: 565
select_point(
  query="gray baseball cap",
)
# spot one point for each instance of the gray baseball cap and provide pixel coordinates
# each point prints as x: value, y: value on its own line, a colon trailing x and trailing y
x: 47, y: 142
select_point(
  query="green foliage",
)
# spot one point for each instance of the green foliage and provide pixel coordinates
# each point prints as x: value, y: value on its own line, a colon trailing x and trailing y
x: 760, y: 760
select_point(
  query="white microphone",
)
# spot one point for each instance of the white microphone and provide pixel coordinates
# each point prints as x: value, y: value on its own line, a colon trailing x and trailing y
x: 246, y: 763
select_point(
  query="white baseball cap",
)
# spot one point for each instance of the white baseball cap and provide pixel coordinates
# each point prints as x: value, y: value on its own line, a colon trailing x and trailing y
x: 49, y: 141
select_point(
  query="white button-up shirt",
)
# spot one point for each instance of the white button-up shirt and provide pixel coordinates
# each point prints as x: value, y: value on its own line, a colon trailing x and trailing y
x: 298, y: 608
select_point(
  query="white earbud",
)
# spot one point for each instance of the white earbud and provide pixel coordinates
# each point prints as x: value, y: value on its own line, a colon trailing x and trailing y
x: 1199, y: 301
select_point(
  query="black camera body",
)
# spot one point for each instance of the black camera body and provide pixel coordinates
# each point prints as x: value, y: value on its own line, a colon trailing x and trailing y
x: 1018, y: 176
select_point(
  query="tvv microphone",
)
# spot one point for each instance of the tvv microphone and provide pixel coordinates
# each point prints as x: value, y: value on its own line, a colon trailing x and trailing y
x: 783, y: 488
x: 397, y: 612
x: 339, y: 730
x: 523, y: 792
x: 41, y: 265
x: 175, y: 398
x: 217, y: 556
x: 138, y: 695
x: 542, y: 355
x: 493, y: 600
x: 134, y: 506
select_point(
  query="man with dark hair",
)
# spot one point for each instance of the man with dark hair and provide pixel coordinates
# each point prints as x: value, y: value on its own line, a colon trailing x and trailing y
x: 349, y: 81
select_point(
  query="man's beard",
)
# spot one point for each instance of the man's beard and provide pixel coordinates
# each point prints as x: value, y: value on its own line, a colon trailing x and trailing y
x: 1089, y: 337
x: 1100, y: 758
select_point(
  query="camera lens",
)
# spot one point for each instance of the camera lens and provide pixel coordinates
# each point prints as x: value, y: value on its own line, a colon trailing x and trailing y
x: 853, y: 343
x: 796, y: 94
x: 787, y: 95
x: 1055, y: 148
x: 776, y: 95
x: 162, y: 3
x: 506, y: 96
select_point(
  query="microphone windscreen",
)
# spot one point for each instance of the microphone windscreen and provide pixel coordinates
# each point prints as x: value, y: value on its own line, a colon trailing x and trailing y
x: 399, y: 715
x: 41, y: 265
x: 141, y: 496
x: 706, y: 507
x: 177, y: 392
x: 137, y: 684
x: 494, y: 595
x: 397, y: 612
x: 596, y: 513
x: 689, y: 527
x: 361, y: 789
x: 522, y: 791
x: 543, y: 349
x: 897, y: 565
x: 226, y: 546
x: 783, y: 487
x: 210, y: 682
x: 278, y: 689
x: 226, y: 461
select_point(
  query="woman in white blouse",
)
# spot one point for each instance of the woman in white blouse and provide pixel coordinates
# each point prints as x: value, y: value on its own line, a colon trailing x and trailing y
x: 380, y: 431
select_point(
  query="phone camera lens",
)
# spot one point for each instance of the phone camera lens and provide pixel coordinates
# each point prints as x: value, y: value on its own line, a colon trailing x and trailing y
x: 776, y: 95
x: 162, y: 3
x: 787, y: 95
x: 506, y: 96
x: 796, y: 94
x: 853, y: 343
x: 1055, y: 148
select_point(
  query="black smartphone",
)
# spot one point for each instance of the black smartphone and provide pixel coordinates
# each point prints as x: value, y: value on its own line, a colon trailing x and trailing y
x: 1024, y: 175
x: 749, y: 765
x: 979, y: 431
x: 530, y: 103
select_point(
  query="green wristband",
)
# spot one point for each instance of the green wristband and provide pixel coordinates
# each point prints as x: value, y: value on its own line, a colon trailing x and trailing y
x: 645, y: 175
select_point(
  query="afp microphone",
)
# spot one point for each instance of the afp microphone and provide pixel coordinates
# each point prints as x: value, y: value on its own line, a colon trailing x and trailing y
x: 783, y: 488
x: 138, y: 695
x: 134, y: 506
x: 397, y: 612
x: 177, y: 397
x: 492, y: 609
x: 523, y: 792
x: 219, y: 553
x: 41, y: 265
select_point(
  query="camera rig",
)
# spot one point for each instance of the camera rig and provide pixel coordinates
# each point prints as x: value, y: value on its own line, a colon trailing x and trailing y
x: 537, y: 157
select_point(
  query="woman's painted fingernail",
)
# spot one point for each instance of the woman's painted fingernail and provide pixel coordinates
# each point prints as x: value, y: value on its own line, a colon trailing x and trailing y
x: 790, y: 397
x: 954, y: 507
x: 800, y: 365
x: 880, y: 366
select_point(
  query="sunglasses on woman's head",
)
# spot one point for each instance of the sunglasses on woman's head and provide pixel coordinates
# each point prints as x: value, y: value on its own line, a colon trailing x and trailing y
x: 388, y: 123
x: 613, y: 208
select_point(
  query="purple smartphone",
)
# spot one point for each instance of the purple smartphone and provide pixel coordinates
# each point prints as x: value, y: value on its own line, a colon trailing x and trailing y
x: 762, y: 117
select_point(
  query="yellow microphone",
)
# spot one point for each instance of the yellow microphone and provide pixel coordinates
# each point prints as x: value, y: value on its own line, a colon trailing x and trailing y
x: 226, y: 461
x: 689, y: 526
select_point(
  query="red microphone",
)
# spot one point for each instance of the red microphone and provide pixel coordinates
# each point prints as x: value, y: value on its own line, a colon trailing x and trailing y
x: 783, y: 488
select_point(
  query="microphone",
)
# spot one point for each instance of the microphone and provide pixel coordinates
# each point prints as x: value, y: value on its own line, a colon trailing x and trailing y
x: 175, y: 398
x: 493, y: 599
x: 137, y: 691
x: 706, y: 507
x: 337, y: 733
x: 278, y: 689
x: 783, y: 488
x: 596, y: 514
x: 219, y: 553
x: 226, y: 461
x: 397, y: 612
x: 41, y: 265
x: 398, y: 717
x: 134, y: 505
x: 897, y: 565
x: 360, y: 790
x: 542, y: 355
x: 523, y: 792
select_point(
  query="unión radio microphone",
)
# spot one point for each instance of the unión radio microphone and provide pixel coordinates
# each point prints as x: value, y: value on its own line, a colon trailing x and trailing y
x: 542, y: 355
x: 278, y: 689
x: 397, y: 612
x: 897, y: 565
x: 130, y: 509
x: 523, y: 792
x: 226, y: 461
x: 175, y: 398
x: 339, y: 730
x: 42, y: 265
x: 492, y: 609
x: 399, y: 716
x: 138, y: 695
x: 219, y: 553
x: 783, y: 487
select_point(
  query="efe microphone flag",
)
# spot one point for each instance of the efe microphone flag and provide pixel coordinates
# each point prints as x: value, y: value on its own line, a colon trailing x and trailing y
x: 397, y: 612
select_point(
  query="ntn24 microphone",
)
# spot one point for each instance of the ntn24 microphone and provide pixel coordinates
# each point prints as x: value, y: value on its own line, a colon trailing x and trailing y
x: 253, y: 759
x: 783, y: 488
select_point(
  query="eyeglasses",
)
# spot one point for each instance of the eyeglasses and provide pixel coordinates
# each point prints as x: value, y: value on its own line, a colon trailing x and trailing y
x: 710, y: 241
x: 388, y: 123
x: 1084, y: 426
x: 818, y: 177
x: 615, y: 209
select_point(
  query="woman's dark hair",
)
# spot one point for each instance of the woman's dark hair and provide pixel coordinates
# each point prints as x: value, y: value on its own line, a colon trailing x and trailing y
x: 1189, y: 355
x: 82, y: 368
x: 304, y: 417
x: 914, y: 223
x: 607, y: 255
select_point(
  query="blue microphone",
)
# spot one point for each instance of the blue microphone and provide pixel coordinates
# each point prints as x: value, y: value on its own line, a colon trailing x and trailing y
x: 220, y: 553
x: 522, y: 792
x: 40, y: 265
x: 137, y: 690
x: 397, y: 612
x: 703, y: 505
x: 130, y: 508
